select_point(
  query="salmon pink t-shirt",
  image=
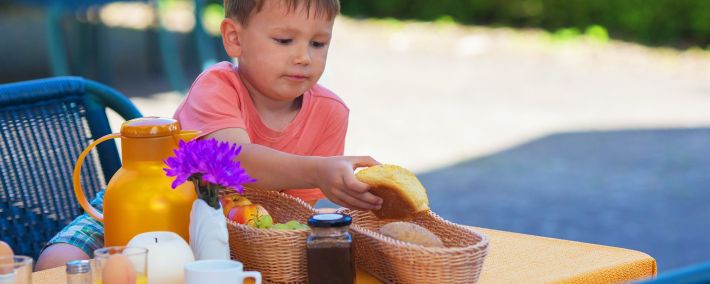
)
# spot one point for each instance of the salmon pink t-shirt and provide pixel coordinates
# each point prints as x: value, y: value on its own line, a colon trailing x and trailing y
x: 218, y: 99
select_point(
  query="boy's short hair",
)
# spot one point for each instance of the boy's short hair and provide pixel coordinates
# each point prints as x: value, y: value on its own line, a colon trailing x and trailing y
x: 240, y: 10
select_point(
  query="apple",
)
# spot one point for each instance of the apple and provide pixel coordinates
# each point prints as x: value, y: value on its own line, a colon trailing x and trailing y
x: 230, y: 201
x: 247, y: 214
x: 241, y: 200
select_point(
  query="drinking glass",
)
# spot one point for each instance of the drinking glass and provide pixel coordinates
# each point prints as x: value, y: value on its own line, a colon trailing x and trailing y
x: 137, y: 256
x: 16, y: 269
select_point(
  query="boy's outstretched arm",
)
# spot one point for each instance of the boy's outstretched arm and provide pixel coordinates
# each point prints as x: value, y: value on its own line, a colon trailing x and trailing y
x: 276, y: 170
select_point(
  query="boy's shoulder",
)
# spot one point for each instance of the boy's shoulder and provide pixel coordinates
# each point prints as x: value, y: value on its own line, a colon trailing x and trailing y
x: 221, y: 71
x: 217, y: 79
x: 224, y: 66
x: 325, y: 95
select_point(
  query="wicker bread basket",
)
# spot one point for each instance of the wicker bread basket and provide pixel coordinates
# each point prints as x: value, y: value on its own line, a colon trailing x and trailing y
x: 280, y: 255
x: 394, y: 261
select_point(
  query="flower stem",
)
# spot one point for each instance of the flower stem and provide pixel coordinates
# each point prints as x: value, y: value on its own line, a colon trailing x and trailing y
x: 206, y: 191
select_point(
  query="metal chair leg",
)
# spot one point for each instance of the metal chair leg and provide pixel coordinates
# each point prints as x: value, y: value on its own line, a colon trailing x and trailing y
x: 57, y: 47
x: 203, y: 41
x: 172, y: 65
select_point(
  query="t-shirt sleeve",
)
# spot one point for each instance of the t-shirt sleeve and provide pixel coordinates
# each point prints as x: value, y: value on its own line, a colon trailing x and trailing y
x: 331, y: 141
x: 211, y: 104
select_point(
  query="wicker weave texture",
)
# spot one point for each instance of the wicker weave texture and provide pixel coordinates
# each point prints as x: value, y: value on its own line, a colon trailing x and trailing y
x: 44, y: 126
x: 39, y: 143
x: 280, y: 255
x: 394, y: 261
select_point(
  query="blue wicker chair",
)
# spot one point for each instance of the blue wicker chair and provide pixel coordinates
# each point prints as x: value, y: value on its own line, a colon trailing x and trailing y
x: 44, y: 126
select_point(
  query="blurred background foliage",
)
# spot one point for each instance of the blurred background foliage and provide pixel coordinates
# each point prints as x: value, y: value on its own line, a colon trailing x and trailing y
x: 178, y: 30
x: 676, y: 23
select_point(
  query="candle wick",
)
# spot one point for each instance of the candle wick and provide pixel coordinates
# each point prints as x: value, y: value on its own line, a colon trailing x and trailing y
x: 156, y: 240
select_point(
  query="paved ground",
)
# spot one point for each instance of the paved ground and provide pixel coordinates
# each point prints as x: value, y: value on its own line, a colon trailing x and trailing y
x: 606, y: 144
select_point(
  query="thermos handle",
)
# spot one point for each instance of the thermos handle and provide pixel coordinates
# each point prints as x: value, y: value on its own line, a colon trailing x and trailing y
x: 78, y: 190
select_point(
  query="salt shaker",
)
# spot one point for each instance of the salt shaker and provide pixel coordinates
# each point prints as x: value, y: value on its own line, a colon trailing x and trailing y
x: 78, y: 272
x: 329, y: 250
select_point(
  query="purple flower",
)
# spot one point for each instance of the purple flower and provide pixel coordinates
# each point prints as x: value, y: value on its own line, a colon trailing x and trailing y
x: 207, y: 161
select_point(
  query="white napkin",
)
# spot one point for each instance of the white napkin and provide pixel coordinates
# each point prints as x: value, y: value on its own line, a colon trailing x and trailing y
x: 208, y: 232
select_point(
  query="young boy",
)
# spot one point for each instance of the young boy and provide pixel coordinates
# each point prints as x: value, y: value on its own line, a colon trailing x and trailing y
x: 292, y: 130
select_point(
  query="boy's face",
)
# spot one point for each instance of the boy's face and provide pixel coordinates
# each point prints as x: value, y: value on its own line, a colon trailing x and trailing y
x: 282, y: 53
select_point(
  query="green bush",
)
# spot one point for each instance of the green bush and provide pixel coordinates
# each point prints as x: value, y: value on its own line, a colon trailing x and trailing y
x: 679, y: 23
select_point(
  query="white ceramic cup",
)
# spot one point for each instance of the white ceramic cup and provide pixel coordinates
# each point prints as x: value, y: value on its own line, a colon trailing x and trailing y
x: 218, y: 271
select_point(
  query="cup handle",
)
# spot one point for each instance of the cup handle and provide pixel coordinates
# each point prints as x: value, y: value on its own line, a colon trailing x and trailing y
x: 252, y: 274
x: 78, y: 190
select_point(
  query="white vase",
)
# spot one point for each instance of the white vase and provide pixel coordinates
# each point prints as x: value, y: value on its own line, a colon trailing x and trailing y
x: 209, y: 238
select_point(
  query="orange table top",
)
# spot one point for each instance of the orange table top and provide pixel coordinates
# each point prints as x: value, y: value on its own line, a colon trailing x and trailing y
x: 520, y: 258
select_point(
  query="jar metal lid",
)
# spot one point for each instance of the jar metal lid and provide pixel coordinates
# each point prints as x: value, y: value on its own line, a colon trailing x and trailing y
x: 78, y: 266
x: 329, y: 220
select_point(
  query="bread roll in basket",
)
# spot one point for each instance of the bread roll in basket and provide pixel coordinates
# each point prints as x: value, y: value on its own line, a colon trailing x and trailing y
x: 457, y: 257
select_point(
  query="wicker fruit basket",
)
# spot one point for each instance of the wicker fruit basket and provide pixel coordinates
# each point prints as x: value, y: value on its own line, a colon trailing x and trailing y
x: 394, y: 261
x: 280, y: 255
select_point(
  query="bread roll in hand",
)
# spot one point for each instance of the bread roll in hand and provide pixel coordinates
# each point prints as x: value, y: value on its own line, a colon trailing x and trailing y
x: 401, y: 192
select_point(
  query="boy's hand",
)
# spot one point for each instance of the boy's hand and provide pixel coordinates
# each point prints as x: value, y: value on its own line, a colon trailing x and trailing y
x: 335, y: 177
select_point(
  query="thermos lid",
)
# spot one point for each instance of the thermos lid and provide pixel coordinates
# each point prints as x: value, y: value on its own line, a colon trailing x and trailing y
x: 150, y: 126
x: 329, y: 220
x: 77, y: 266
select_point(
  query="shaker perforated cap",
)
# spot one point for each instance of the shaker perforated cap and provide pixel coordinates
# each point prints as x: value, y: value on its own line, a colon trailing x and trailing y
x: 329, y: 220
x: 78, y: 266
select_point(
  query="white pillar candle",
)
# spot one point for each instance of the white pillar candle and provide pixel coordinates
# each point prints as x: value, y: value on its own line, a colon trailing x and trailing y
x: 167, y: 255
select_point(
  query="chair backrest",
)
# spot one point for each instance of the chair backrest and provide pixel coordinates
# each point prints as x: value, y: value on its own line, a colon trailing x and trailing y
x: 44, y: 126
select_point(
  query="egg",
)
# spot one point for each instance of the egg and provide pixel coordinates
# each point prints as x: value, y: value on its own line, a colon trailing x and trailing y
x: 6, y: 250
x: 118, y: 270
x: 6, y: 257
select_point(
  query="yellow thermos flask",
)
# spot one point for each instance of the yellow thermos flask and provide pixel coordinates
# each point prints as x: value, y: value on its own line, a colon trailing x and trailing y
x: 138, y: 197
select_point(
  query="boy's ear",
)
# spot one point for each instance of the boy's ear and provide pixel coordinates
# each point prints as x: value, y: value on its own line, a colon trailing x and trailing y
x: 231, y: 30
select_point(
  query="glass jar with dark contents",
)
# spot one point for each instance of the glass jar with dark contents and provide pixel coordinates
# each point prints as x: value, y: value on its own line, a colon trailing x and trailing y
x: 329, y: 249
